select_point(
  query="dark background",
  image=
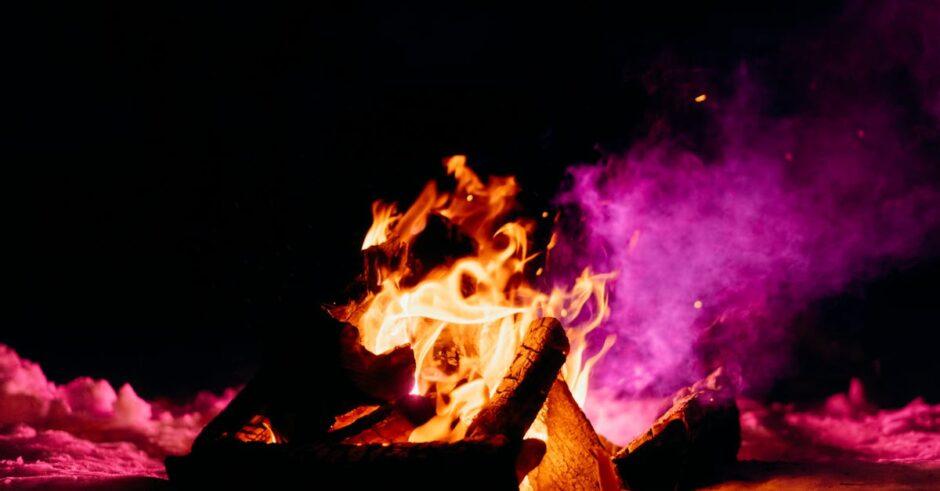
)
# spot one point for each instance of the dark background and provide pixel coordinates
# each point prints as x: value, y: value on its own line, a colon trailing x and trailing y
x: 187, y: 181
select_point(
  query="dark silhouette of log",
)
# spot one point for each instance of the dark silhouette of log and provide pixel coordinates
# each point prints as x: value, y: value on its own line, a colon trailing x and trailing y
x: 439, y: 243
x: 494, y: 456
x: 575, y: 457
x: 523, y: 390
x: 281, y: 390
x: 489, y: 464
x: 383, y: 378
x: 692, y: 443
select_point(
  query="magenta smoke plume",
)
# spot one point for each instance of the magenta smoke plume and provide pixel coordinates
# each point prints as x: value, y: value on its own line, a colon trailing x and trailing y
x: 718, y: 250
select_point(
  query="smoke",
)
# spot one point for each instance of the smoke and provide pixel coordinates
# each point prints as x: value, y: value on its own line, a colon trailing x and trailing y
x: 845, y: 426
x: 801, y: 176
x: 86, y: 428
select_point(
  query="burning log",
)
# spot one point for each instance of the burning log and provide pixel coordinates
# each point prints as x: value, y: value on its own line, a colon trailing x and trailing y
x: 383, y: 378
x: 439, y: 242
x: 691, y: 444
x: 494, y: 440
x: 489, y: 464
x: 523, y: 390
x: 383, y: 424
x: 575, y: 457
x: 356, y: 376
x: 393, y: 427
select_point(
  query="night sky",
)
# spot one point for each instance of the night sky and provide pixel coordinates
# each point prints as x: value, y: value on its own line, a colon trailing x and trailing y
x: 188, y: 181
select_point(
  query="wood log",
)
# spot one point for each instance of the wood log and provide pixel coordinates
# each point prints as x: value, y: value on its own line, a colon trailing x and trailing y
x: 357, y: 421
x: 691, y: 444
x: 523, y: 390
x: 489, y: 464
x: 494, y: 444
x: 386, y: 424
x: 393, y: 428
x: 278, y: 391
x: 575, y: 457
x: 440, y: 242
x: 384, y: 378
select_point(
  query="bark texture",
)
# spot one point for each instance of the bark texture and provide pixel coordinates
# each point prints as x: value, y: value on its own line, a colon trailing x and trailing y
x: 692, y: 443
x: 523, y: 390
x: 575, y: 457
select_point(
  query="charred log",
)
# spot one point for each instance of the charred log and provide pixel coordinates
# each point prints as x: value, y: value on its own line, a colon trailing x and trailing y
x: 308, y: 454
x: 440, y: 242
x: 489, y: 464
x: 393, y: 428
x: 382, y: 378
x: 523, y: 390
x: 691, y: 444
x: 383, y: 424
x: 356, y: 421
x: 355, y: 377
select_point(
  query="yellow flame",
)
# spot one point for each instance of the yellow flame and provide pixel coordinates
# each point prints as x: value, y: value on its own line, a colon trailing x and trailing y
x: 271, y: 436
x: 465, y: 320
x: 383, y: 217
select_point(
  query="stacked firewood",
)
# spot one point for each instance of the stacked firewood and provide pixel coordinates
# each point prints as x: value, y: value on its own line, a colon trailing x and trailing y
x: 365, y: 441
x: 356, y: 435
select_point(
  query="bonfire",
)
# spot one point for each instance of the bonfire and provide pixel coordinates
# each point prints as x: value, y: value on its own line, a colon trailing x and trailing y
x: 458, y: 369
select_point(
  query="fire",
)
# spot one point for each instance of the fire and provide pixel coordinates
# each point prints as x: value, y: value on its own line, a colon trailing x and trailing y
x: 382, y: 220
x: 259, y: 429
x: 465, y: 319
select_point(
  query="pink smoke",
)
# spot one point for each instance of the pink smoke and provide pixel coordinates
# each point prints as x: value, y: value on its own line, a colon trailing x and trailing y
x: 85, y: 430
x: 846, y: 427
x: 719, y: 245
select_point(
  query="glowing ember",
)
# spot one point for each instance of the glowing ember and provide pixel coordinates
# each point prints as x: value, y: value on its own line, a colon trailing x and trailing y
x: 464, y: 320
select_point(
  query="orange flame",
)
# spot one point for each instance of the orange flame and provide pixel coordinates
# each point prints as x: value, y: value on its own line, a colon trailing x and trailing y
x: 465, y: 320
x: 382, y: 220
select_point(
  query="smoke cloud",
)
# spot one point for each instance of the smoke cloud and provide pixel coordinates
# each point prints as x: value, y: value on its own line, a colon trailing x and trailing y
x: 86, y: 429
x: 793, y: 190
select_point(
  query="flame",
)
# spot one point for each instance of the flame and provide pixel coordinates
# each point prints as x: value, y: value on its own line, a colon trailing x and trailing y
x: 382, y: 220
x: 464, y: 320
